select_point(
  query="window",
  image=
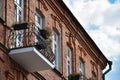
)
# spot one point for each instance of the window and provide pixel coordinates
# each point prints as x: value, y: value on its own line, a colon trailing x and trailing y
x: 18, y: 16
x: 38, y: 20
x: 56, y: 49
x: 82, y: 67
x: 38, y: 23
x: 18, y: 10
x: 69, y: 60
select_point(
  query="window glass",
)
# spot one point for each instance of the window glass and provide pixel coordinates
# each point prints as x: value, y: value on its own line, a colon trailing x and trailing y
x: 38, y: 23
x: 38, y: 20
x: 18, y: 16
x: 55, y: 48
x: 82, y: 67
x: 18, y: 4
x: 69, y: 61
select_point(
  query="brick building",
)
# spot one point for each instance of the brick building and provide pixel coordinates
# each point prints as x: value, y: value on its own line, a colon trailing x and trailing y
x: 24, y: 52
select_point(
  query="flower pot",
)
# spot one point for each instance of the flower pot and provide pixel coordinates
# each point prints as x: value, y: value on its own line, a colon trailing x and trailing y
x: 21, y: 26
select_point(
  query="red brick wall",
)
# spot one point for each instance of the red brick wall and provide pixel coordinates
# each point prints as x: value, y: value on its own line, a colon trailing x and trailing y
x: 52, y: 20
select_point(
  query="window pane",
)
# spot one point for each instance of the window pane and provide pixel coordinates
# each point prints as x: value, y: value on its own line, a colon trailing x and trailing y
x: 18, y: 10
x: 18, y: 16
x: 38, y: 20
x: 56, y: 48
x: 82, y: 68
x: 69, y: 61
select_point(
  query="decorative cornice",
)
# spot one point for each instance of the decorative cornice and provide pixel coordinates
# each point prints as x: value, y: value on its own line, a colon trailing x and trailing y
x: 44, y: 5
x: 56, y: 19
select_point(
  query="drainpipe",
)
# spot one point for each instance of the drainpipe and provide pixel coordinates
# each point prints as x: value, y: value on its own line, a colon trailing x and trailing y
x: 110, y: 67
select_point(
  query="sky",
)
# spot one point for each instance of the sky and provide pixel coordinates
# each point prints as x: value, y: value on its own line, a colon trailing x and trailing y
x: 101, y: 19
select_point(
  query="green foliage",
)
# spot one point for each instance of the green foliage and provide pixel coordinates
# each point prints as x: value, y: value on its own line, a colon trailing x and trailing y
x: 45, y: 32
x: 21, y: 25
x: 74, y: 76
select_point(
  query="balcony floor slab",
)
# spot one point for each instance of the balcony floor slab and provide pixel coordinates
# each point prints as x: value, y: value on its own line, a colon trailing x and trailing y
x: 30, y: 59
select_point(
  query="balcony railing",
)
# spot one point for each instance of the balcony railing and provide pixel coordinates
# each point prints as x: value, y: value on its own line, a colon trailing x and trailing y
x: 30, y: 37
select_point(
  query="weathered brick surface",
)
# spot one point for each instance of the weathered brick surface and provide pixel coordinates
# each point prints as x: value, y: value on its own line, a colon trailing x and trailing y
x: 67, y: 36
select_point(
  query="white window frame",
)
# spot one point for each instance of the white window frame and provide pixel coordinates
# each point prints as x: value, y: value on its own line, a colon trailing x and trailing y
x: 38, y: 23
x: 38, y: 20
x: 19, y: 10
x: 18, y: 16
x: 82, y: 67
x: 55, y: 48
x: 69, y: 60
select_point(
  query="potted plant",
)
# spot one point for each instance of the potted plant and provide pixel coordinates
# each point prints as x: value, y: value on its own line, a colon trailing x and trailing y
x: 45, y: 32
x: 44, y: 40
x: 74, y: 76
x: 21, y: 25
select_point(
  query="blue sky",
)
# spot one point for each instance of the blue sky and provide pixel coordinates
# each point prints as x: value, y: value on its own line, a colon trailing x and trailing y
x: 101, y: 19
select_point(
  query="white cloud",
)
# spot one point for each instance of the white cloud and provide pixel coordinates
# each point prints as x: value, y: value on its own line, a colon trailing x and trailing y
x: 102, y: 21
x: 106, y: 17
x: 108, y: 45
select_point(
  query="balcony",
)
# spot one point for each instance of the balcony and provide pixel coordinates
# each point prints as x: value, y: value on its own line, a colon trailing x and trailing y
x: 29, y: 49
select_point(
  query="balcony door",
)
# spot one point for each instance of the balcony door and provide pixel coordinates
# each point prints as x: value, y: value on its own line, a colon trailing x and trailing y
x: 18, y: 16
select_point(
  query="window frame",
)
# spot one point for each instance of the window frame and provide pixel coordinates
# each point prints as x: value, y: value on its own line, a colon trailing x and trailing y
x: 69, y: 60
x: 38, y: 19
x: 19, y: 10
x: 18, y: 16
x: 82, y: 66
x: 55, y: 42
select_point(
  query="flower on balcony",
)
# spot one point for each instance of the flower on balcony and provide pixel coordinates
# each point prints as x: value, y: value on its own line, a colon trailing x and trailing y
x: 44, y: 41
x: 74, y: 76
x: 21, y: 25
x: 45, y: 33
